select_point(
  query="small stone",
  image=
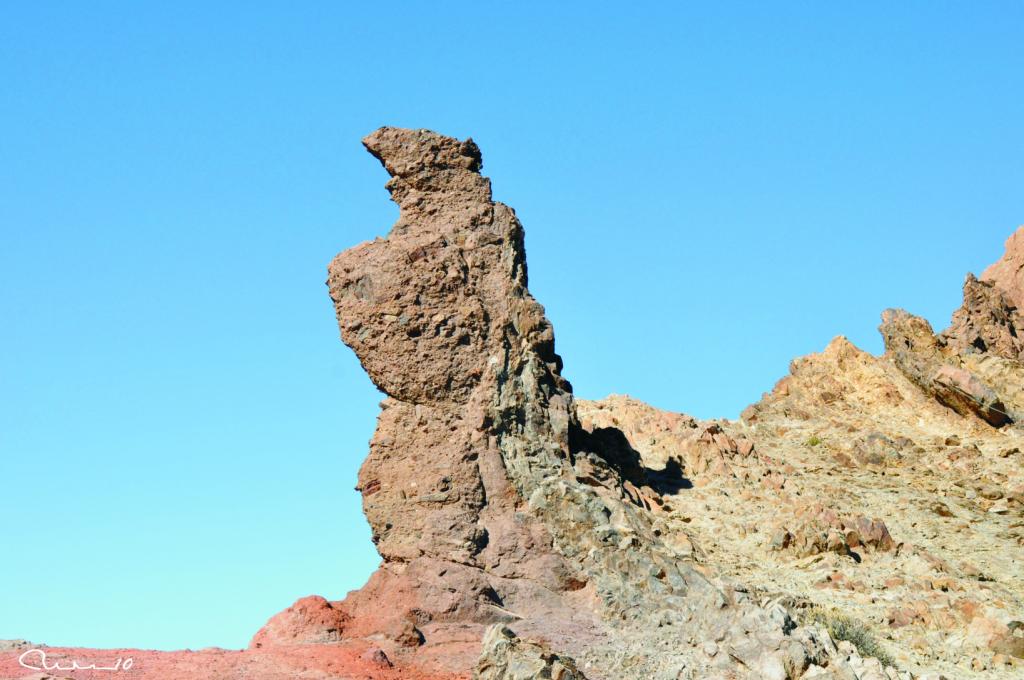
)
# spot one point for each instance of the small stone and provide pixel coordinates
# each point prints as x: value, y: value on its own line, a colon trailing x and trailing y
x: 780, y: 540
x: 1000, y: 507
x: 377, y: 657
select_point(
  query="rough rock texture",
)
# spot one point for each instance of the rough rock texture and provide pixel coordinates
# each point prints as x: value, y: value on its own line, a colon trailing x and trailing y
x: 864, y: 519
x: 939, y: 364
x: 1008, y: 272
x: 987, y: 322
x: 965, y: 393
x: 865, y: 496
x: 311, y: 620
x: 815, y: 528
x: 506, y: 657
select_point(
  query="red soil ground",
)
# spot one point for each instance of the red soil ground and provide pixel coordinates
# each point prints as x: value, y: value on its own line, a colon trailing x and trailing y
x: 351, y: 661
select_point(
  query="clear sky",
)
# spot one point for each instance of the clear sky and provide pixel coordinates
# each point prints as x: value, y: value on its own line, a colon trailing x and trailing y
x: 708, y: 191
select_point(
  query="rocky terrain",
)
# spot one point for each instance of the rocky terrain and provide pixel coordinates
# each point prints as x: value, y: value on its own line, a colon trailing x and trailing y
x: 865, y: 519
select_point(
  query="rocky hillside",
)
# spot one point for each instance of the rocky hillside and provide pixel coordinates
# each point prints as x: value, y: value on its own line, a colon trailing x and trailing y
x: 879, y: 493
x: 865, y: 519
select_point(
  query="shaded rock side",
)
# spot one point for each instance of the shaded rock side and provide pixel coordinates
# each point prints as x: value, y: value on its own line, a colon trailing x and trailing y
x: 439, y: 315
x: 986, y: 322
x: 965, y: 393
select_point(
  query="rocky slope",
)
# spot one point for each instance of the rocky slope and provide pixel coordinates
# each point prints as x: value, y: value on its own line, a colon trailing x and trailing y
x: 887, y: 489
x: 863, y: 520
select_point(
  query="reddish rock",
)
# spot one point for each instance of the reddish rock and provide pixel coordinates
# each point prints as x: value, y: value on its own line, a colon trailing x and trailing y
x: 963, y: 392
x: 986, y: 632
x: 311, y: 620
x: 437, y: 313
x: 1008, y: 272
x: 986, y: 322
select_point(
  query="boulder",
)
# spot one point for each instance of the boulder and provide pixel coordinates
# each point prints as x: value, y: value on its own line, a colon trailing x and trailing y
x: 311, y: 620
x: 963, y: 392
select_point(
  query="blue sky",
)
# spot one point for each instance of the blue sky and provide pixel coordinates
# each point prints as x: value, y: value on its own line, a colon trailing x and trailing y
x: 708, y: 191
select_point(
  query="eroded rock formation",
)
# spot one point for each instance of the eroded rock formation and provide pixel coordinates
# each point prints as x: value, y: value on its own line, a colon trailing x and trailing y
x: 987, y: 322
x: 515, y: 513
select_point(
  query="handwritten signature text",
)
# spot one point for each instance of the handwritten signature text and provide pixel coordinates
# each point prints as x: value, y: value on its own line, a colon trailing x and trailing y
x: 122, y: 664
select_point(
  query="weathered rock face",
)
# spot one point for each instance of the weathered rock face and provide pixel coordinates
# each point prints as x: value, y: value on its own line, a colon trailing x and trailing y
x: 987, y: 322
x: 440, y: 316
x: 1007, y: 273
x: 911, y: 344
x: 477, y: 412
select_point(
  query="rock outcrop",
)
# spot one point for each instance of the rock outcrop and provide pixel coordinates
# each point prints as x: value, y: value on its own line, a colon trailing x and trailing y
x: 972, y: 367
x: 1007, y: 273
x: 311, y: 620
x: 987, y: 322
x: 516, y: 514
